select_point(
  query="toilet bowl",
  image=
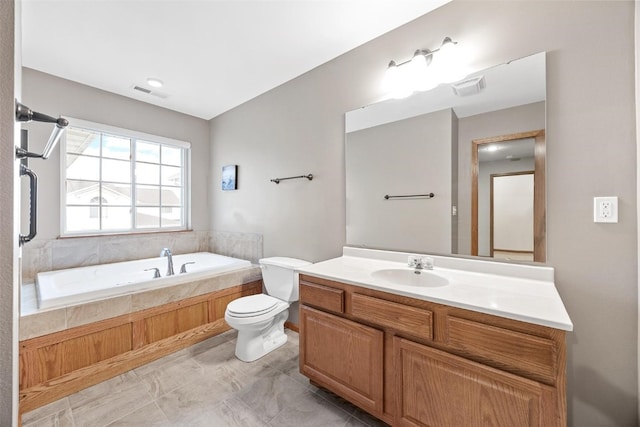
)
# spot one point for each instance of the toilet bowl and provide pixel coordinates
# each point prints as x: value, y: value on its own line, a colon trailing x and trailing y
x: 259, y: 319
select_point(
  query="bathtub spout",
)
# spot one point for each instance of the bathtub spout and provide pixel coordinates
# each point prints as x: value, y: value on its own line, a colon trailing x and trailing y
x: 167, y: 252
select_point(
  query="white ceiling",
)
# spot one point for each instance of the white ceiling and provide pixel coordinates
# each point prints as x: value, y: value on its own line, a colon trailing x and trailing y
x: 212, y: 55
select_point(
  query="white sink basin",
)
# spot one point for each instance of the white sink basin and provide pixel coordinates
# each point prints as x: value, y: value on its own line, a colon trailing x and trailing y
x: 410, y: 277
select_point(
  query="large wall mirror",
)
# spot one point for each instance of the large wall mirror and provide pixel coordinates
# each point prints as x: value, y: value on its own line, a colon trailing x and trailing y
x: 456, y: 170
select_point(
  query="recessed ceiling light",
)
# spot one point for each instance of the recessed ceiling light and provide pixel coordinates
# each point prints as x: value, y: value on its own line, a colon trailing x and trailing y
x: 153, y: 82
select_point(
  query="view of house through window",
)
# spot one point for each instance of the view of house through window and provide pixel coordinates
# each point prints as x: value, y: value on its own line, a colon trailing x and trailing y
x: 121, y: 181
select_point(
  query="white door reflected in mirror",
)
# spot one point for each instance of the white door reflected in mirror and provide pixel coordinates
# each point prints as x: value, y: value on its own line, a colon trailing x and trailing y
x: 512, y: 216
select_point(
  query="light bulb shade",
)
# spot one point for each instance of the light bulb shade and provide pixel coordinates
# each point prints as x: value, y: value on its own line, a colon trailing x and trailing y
x: 396, y: 81
x: 421, y: 73
x: 419, y: 62
x: 448, y: 64
x: 448, y: 46
x: 390, y: 77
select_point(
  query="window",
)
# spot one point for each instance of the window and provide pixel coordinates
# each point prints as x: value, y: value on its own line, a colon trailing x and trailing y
x: 141, y: 180
x: 94, y: 209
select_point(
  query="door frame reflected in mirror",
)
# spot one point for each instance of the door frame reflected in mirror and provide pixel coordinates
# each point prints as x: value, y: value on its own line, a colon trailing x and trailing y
x: 539, y: 204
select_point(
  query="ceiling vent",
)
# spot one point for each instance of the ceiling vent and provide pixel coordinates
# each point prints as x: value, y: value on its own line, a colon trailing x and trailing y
x: 141, y: 89
x: 150, y: 92
x: 469, y: 87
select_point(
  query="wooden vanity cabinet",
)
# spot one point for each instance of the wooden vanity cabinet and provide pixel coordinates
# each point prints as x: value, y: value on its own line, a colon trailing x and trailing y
x: 435, y: 388
x: 415, y: 363
x: 344, y: 355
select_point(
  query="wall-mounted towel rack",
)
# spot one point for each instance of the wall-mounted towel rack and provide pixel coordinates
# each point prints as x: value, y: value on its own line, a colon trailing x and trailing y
x: 415, y: 196
x: 277, y: 180
x: 26, y: 114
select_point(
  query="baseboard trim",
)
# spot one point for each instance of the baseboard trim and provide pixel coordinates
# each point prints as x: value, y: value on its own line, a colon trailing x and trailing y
x: 291, y: 326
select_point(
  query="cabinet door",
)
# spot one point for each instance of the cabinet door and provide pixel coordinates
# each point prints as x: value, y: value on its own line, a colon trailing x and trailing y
x: 437, y: 389
x: 343, y: 356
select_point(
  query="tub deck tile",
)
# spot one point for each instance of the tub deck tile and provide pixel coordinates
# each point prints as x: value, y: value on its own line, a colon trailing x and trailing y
x: 42, y: 323
x: 83, y: 314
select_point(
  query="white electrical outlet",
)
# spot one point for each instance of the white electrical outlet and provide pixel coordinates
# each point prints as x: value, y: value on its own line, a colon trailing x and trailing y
x: 605, y: 209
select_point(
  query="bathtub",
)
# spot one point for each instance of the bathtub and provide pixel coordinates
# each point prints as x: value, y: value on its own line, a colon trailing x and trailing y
x: 84, y: 284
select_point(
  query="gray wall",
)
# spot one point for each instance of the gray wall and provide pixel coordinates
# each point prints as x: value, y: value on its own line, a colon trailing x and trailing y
x: 410, y: 156
x: 298, y: 128
x: 292, y: 131
x: 9, y: 90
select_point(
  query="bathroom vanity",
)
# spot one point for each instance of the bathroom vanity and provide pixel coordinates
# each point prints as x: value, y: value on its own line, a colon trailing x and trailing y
x: 475, y: 343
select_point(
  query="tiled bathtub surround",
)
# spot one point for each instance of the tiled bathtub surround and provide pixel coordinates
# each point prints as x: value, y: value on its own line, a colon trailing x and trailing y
x: 56, y: 254
x: 238, y: 245
x: 34, y: 322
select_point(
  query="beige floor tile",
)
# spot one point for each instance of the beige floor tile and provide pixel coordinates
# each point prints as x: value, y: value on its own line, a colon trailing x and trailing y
x: 272, y: 392
x: 46, y: 411
x: 58, y: 418
x: 103, y: 390
x: 336, y: 400
x: 147, y: 416
x: 310, y: 410
x: 354, y: 422
x: 233, y: 413
x: 111, y: 407
x: 194, y: 403
x: 170, y: 376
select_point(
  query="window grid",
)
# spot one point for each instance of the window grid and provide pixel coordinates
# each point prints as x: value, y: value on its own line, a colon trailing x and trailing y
x: 164, y: 218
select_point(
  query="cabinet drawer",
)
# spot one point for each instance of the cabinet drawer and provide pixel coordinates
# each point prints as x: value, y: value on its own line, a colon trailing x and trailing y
x: 403, y: 318
x: 320, y: 296
x: 527, y: 355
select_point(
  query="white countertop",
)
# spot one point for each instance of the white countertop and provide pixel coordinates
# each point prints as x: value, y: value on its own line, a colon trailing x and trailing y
x: 520, y: 292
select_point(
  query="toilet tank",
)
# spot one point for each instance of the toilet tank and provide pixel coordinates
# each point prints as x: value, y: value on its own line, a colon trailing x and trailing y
x: 279, y: 279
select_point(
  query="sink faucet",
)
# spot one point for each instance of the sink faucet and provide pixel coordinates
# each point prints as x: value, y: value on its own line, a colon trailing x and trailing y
x: 420, y: 262
x: 167, y: 252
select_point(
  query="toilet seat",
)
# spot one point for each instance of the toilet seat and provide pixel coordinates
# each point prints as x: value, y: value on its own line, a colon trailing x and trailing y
x: 252, y: 305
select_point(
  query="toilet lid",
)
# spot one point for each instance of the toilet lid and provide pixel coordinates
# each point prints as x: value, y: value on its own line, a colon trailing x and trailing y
x: 252, y: 305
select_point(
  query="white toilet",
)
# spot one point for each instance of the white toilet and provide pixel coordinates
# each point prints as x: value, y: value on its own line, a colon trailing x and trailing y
x: 260, y: 318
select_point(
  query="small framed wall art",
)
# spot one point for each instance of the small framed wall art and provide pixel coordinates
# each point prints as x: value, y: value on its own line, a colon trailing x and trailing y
x: 230, y: 177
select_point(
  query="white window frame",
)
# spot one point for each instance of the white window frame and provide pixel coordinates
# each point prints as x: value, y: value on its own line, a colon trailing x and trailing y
x: 125, y: 133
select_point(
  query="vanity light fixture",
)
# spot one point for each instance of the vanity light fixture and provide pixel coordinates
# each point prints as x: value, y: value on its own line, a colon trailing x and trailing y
x: 154, y: 82
x: 424, y: 71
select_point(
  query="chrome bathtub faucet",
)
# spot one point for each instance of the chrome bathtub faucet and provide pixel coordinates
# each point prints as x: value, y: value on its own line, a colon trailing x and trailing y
x: 156, y: 272
x: 183, y: 269
x: 167, y: 252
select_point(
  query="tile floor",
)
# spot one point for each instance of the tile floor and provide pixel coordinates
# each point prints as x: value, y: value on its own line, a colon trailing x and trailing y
x: 205, y: 385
